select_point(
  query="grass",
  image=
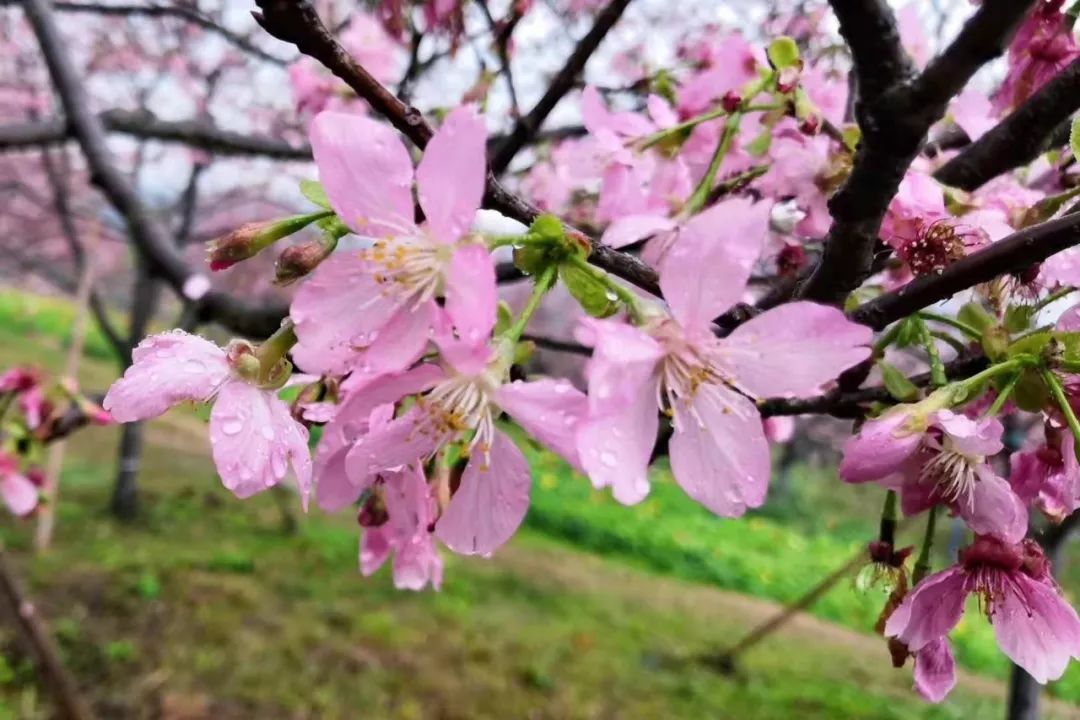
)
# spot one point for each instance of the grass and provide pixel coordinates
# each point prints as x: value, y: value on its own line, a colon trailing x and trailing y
x: 206, y: 608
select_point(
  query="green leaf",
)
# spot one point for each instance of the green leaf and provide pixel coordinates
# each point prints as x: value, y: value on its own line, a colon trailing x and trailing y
x: 1031, y: 393
x: 314, y: 192
x: 1074, y: 138
x: 783, y: 53
x: 976, y: 316
x: 995, y: 342
x: 504, y: 317
x: 897, y: 383
x: 851, y: 134
x: 1018, y: 318
x: 531, y: 259
x: 908, y: 334
x: 590, y: 292
x: 1070, y: 345
x: 548, y: 227
x: 1033, y: 344
x: 760, y: 145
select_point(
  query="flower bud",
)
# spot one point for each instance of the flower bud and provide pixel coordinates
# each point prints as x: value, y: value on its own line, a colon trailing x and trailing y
x: 250, y: 238
x: 811, y: 125
x: 731, y: 101
x: 298, y: 260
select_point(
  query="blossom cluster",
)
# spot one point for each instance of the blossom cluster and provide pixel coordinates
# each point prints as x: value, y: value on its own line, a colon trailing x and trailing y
x: 411, y: 367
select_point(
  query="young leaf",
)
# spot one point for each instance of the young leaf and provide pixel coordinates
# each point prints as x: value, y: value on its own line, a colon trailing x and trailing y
x: 590, y: 292
x: 783, y: 53
x: 897, y: 383
x: 314, y: 192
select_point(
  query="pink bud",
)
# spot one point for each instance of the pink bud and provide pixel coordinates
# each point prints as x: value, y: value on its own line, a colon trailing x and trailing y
x: 298, y: 260
x: 731, y: 101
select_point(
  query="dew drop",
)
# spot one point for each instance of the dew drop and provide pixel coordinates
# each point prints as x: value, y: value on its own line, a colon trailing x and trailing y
x: 267, y: 432
x: 607, y: 459
x: 232, y: 426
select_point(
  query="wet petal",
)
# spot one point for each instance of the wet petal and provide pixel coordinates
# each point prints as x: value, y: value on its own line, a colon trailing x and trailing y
x: 549, y: 410
x: 450, y: 178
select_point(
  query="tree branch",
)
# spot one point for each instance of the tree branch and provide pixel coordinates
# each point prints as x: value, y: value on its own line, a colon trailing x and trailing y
x: 894, y: 124
x: 296, y: 21
x: 1020, y: 137
x: 187, y: 14
x: 1019, y: 250
x: 149, y: 236
x: 870, y: 31
x: 561, y: 84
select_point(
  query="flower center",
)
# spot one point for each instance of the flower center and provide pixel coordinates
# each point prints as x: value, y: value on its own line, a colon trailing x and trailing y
x: 953, y: 474
x: 460, y: 404
x: 408, y: 268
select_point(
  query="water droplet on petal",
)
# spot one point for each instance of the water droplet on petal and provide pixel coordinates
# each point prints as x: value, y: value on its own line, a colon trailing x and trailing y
x: 607, y: 459
x: 232, y: 426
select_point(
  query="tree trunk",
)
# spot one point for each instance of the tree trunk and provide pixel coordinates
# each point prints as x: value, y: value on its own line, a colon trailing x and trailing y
x: 125, y: 497
x: 144, y: 300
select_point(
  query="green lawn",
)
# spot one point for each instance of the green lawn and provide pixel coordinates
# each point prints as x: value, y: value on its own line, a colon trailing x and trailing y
x: 206, y: 607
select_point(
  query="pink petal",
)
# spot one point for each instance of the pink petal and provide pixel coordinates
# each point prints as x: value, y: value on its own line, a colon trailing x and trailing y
x: 794, y: 349
x: 1036, y: 628
x: 935, y: 671
x: 882, y: 446
x: 727, y: 238
x: 931, y: 610
x: 338, y: 309
x: 404, y: 440
x: 968, y: 436
x: 491, y: 502
x: 995, y: 509
x: 366, y: 172
x: 615, y: 442
x: 719, y: 454
x: 166, y: 369
x: 549, y: 410
x: 614, y: 447
x: 375, y: 548
x: 333, y: 489
x: 254, y: 439
x: 450, y: 178
x: 471, y: 293
x: 626, y: 230
x: 399, y: 343
x: 20, y: 495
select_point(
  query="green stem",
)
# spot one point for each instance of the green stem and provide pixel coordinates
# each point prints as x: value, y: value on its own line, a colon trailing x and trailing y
x: 498, y: 241
x: 1002, y: 396
x: 1053, y: 297
x: 949, y: 339
x: 701, y: 192
x: 660, y: 135
x: 952, y: 322
x: 922, y: 565
x: 275, y: 347
x: 627, y: 297
x: 887, y: 339
x: 994, y: 370
x: 1062, y: 399
x: 937, y: 367
x: 544, y: 282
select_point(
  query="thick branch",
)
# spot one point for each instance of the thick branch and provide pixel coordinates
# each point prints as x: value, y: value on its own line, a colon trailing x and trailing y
x: 149, y: 236
x: 1020, y: 137
x: 296, y: 21
x: 1018, y: 251
x: 561, y: 84
x: 894, y: 125
x: 870, y: 31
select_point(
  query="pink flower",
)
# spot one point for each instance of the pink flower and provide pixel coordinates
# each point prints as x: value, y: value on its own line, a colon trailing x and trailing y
x: 1041, y: 48
x: 779, y: 429
x: 935, y: 670
x: 719, y: 454
x: 491, y: 501
x: 731, y: 63
x: 625, y: 173
x: 1033, y: 624
x: 18, y: 491
x: 373, y: 311
x: 408, y: 510
x: 973, y: 112
x: 919, y: 202
x: 941, y: 459
x: 253, y: 436
x: 800, y: 169
x: 1049, y: 475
